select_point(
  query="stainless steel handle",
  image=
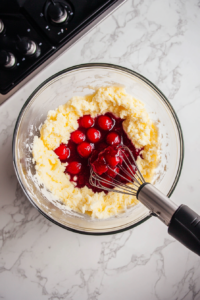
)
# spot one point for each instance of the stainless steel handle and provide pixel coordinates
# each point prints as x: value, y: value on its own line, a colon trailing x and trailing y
x: 157, y: 202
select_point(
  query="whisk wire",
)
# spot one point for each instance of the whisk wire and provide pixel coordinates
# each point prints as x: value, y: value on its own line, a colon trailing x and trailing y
x: 125, y: 189
x: 104, y: 180
x: 139, y: 175
x: 131, y: 176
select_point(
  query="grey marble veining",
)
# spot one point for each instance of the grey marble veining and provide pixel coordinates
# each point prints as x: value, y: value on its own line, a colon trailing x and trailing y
x: 38, y: 260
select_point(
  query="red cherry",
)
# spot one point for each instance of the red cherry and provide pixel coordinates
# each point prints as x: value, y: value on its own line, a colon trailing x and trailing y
x: 73, y: 167
x: 84, y: 149
x: 113, y: 139
x: 99, y: 165
x: 105, y: 122
x: 63, y: 152
x: 113, y: 156
x: 78, y: 137
x: 99, y: 168
x: 113, y: 172
x: 93, y: 135
x: 112, y: 160
x: 87, y: 121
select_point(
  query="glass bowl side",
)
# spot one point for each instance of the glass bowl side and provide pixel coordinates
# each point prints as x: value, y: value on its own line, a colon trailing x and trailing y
x: 82, y: 80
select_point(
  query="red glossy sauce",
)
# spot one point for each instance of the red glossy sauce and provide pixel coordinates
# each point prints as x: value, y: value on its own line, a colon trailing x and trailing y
x: 82, y: 178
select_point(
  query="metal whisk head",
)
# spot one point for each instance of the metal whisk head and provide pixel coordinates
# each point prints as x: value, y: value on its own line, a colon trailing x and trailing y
x: 127, y: 181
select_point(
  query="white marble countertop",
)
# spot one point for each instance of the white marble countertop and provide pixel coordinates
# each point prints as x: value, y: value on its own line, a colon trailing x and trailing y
x: 38, y: 260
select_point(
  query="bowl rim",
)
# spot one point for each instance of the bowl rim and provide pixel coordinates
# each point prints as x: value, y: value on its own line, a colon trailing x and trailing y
x: 116, y: 67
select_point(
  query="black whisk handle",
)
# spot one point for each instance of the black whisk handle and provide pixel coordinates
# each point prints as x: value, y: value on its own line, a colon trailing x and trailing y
x: 185, y: 227
x: 183, y: 223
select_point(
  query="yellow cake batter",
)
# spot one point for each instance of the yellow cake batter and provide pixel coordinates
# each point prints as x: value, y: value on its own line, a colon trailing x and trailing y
x: 56, y: 130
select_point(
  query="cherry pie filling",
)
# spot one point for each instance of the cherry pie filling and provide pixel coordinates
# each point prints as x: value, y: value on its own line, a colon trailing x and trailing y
x: 96, y: 144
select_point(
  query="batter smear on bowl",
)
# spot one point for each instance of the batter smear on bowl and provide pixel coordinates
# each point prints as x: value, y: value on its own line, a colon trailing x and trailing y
x: 86, y: 132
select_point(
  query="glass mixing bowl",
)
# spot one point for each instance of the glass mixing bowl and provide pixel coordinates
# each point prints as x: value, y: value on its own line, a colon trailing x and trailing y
x: 79, y: 81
